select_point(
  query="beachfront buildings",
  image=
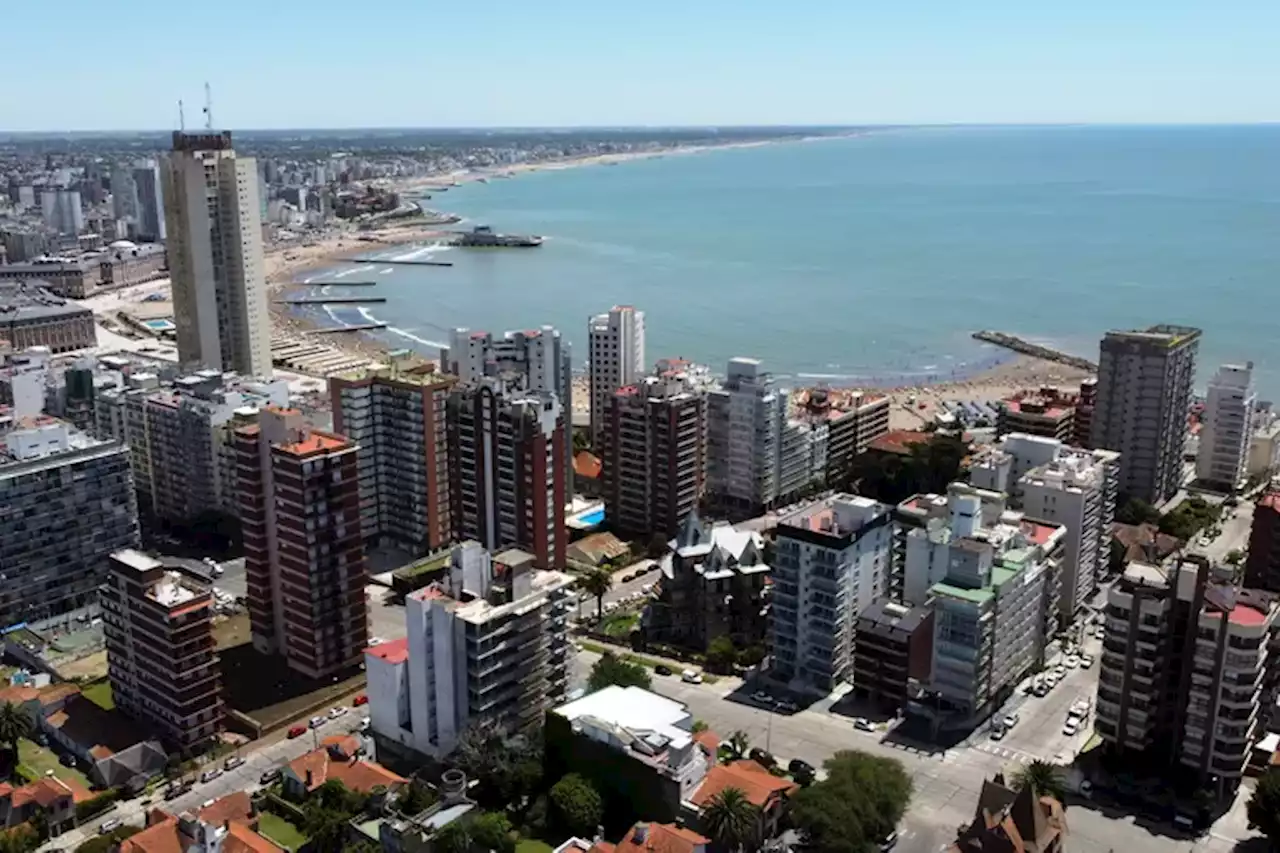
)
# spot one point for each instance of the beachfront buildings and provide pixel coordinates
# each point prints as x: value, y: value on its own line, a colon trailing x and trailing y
x: 1226, y: 429
x: 537, y: 360
x: 1143, y: 401
x: 1072, y: 487
x: 215, y: 255
x: 991, y: 577
x: 843, y: 423
x: 1049, y: 412
x: 397, y: 416
x: 487, y: 646
x: 713, y: 585
x: 303, y: 546
x: 1184, y: 660
x: 615, y: 347
x: 179, y: 435
x: 66, y: 503
x: 832, y: 561
x: 161, y: 654
x: 652, y: 447
x: 894, y: 649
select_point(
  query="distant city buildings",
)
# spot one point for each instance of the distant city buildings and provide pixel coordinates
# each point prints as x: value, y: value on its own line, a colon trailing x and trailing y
x: 487, y: 646
x: 66, y: 503
x: 32, y: 316
x: 615, y: 347
x: 148, y: 190
x: 1226, y: 429
x: 215, y: 256
x: 161, y: 654
x: 62, y: 211
x: 303, y: 545
x: 1143, y: 403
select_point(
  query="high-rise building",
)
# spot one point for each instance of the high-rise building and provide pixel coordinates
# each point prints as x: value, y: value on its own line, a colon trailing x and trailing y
x: 397, y: 415
x: 1262, y: 566
x: 534, y: 360
x: 615, y: 343
x: 124, y: 194
x: 303, y: 549
x: 1045, y: 412
x: 66, y: 503
x: 1227, y: 428
x: 832, y: 561
x: 507, y: 473
x: 62, y: 210
x: 215, y: 255
x: 487, y: 646
x: 150, y: 197
x: 1143, y: 401
x: 745, y: 420
x: 851, y: 419
x: 1184, y: 659
x: 652, y: 446
x: 161, y: 654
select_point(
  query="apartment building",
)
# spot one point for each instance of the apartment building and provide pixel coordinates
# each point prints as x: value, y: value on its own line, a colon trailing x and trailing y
x: 536, y: 360
x: 1047, y: 412
x: 33, y: 316
x: 486, y: 646
x: 66, y: 503
x: 852, y: 420
x: 161, y: 654
x: 397, y: 416
x: 713, y: 585
x: 1226, y: 429
x: 615, y: 344
x: 506, y: 468
x: 1069, y: 486
x: 652, y: 447
x: 304, y: 553
x: 993, y: 587
x: 745, y: 417
x: 1184, y: 659
x: 832, y: 561
x: 894, y: 649
x: 1143, y: 400
x: 1085, y: 405
x: 1262, y: 565
x: 214, y: 230
x: 179, y: 435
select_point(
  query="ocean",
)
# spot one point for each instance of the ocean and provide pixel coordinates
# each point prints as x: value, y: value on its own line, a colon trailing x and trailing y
x: 873, y: 258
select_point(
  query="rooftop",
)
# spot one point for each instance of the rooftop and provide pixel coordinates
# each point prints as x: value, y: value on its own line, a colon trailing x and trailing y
x: 898, y: 441
x: 32, y: 300
x: 314, y: 442
x: 757, y: 783
x: 395, y: 651
x: 659, y: 838
x: 632, y: 708
x: 405, y: 371
x: 315, y: 768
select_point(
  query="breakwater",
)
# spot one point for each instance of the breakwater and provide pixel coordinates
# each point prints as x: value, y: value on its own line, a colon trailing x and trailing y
x: 337, y: 330
x: 1025, y: 347
x: 332, y: 300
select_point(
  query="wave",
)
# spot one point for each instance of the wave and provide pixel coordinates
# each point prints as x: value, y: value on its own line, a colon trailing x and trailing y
x: 418, y: 253
x: 354, y: 270
x: 405, y: 333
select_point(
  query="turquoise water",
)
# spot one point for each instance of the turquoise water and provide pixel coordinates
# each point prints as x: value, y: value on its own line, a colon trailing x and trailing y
x: 877, y: 256
x: 592, y: 517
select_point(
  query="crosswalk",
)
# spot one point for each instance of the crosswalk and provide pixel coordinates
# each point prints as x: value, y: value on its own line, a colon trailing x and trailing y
x: 1007, y: 753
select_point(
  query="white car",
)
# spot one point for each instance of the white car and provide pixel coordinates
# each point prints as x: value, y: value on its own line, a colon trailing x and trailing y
x: 1072, y: 662
x: 691, y: 677
x: 1070, y: 727
x: 1010, y: 720
x: 1086, y: 661
x: 210, y: 775
x: 335, y: 713
x: 316, y: 722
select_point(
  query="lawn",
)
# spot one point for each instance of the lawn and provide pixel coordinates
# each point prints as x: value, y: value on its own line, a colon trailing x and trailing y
x: 277, y: 829
x: 39, y: 760
x: 532, y: 845
x: 99, y: 693
x: 620, y: 625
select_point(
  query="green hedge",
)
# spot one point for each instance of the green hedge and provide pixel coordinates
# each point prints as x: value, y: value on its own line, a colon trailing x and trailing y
x: 90, y: 809
x: 272, y: 802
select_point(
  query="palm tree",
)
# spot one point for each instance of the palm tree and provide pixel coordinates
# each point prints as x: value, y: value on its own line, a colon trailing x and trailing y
x: 738, y: 745
x: 731, y: 819
x: 597, y: 582
x: 15, y: 724
x: 1045, y: 779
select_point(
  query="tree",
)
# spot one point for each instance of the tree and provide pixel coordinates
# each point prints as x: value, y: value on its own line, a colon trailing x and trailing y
x: 859, y: 803
x: 507, y: 769
x: 327, y: 829
x: 454, y: 837
x: 1234, y: 557
x: 731, y: 819
x: 491, y: 831
x: 1263, y: 808
x: 581, y: 441
x: 611, y: 669
x: 928, y: 467
x: 738, y: 745
x: 1137, y: 511
x: 105, y: 843
x: 15, y: 724
x: 699, y: 726
x: 657, y: 548
x: 721, y: 654
x: 415, y: 798
x: 1043, y: 778
x: 597, y: 582
x: 576, y: 807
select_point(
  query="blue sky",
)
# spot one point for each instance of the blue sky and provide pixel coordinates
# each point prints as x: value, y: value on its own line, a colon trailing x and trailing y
x: 77, y: 64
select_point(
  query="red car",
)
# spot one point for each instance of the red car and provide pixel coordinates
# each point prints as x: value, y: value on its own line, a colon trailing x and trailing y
x: 360, y: 700
x: 297, y: 731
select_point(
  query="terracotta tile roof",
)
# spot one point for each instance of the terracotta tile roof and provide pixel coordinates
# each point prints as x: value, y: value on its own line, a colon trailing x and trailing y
x: 345, y: 746
x: 357, y: 775
x: 758, y: 784
x: 234, y: 806
x: 661, y: 838
x: 314, y: 442
x: 242, y: 839
x: 395, y: 651
x: 586, y: 464
x: 898, y: 441
x: 18, y: 694
x: 165, y: 836
x: 603, y: 847
x: 1144, y: 543
x: 708, y: 740
x: 46, y: 792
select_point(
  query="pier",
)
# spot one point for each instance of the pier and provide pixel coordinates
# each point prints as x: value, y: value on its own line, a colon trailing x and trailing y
x: 1025, y: 347
x: 333, y: 300
x: 337, y: 330
x: 337, y: 282
x: 408, y: 262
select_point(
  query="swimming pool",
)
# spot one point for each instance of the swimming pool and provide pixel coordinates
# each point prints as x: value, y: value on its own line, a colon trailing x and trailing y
x: 158, y: 325
x: 593, y: 517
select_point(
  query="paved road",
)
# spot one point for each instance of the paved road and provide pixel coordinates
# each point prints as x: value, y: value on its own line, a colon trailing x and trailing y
x: 1236, y: 523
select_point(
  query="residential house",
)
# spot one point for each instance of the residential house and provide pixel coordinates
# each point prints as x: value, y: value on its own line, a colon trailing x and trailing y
x: 223, y: 827
x: 655, y: 838
x: 118, y: 753
x: 308, y: 772
x: 1009, y: 821
x: 55, y: 797
x: 768, y: 793
x: 1144, y: 543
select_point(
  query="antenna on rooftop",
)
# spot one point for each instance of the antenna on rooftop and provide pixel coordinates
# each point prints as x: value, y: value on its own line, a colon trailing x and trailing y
x: 208, y: 108
x: 182, y: 118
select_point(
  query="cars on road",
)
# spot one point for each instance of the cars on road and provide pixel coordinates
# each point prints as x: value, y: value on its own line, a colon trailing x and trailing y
x: 210, y: 774
x: 232, y: 763
x: 690, y: 676
x: 862, y: 724
x: 338, y: 711
x: 269, y: 776
x: 108, y: 825
x: 362, y: 699
x: 297, y: 731
x: 316, y: 722
x: 1070, y: 727
x: 798, y: 767
x: 663, y: 669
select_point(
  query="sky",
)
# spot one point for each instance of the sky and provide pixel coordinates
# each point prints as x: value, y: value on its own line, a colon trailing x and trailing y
x: 555, y: 63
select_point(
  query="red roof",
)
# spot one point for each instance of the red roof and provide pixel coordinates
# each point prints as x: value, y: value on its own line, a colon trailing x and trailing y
x: 660, y: 838
x: 758, y: 784
x: 317, y: 767
x: 1270, y: 501
x: 898, y: 441
x: 586, y: 464
x: 395, y: 651
x: 1247, y: 615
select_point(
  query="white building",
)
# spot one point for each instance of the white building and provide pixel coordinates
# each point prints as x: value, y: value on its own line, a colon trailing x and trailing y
x: 489, y: 646
x: 1264, y: 447
x: 615, y: 343
x: 832, y: 561
x: 746, y: 417
x: 1072, y: 487
x: 62, y: 210
x: 214, y: 229
x: 1227, y: 428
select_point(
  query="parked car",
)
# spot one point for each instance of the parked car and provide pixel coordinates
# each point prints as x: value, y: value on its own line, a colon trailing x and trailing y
x: 1072, y: 661
x: 297, y: 731
x: 335, y: 713
x: 691, y: 676
x: 365, y: 722
x: 862, y: 724
x: 997, y: 732
x: 1086, y: 661
x: 663, y: 669
x: 360, y: 700
x: 210, y: 775
x: 1010, y: 720
x: 889, y: 841
x: 108, y: 825
x: 761, y: 696
x: 786, y: 706
x: 316, y: 722
x: 232, y: 763
x: 269, y: 776
x: 1070, y: 727
x: 800, y: 768
x: 759, y: 756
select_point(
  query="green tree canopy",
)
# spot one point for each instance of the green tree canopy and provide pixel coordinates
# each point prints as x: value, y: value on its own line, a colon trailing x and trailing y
x: 858, y: 804
x: 507, y: 769
x: 1137, y: 511
x: 738, y: 745
x: 611, y: 669
x: 1043, y: 778
x: 731, y: 820
x: 597, y: 582
x: 15, y: 724
x: 576, y: 807
x: 721, y: 654
x: 414, y: 798
x: 1263, y: 808
x: 491, y: 831
x: 929, y: 467
x: 454, y: 837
